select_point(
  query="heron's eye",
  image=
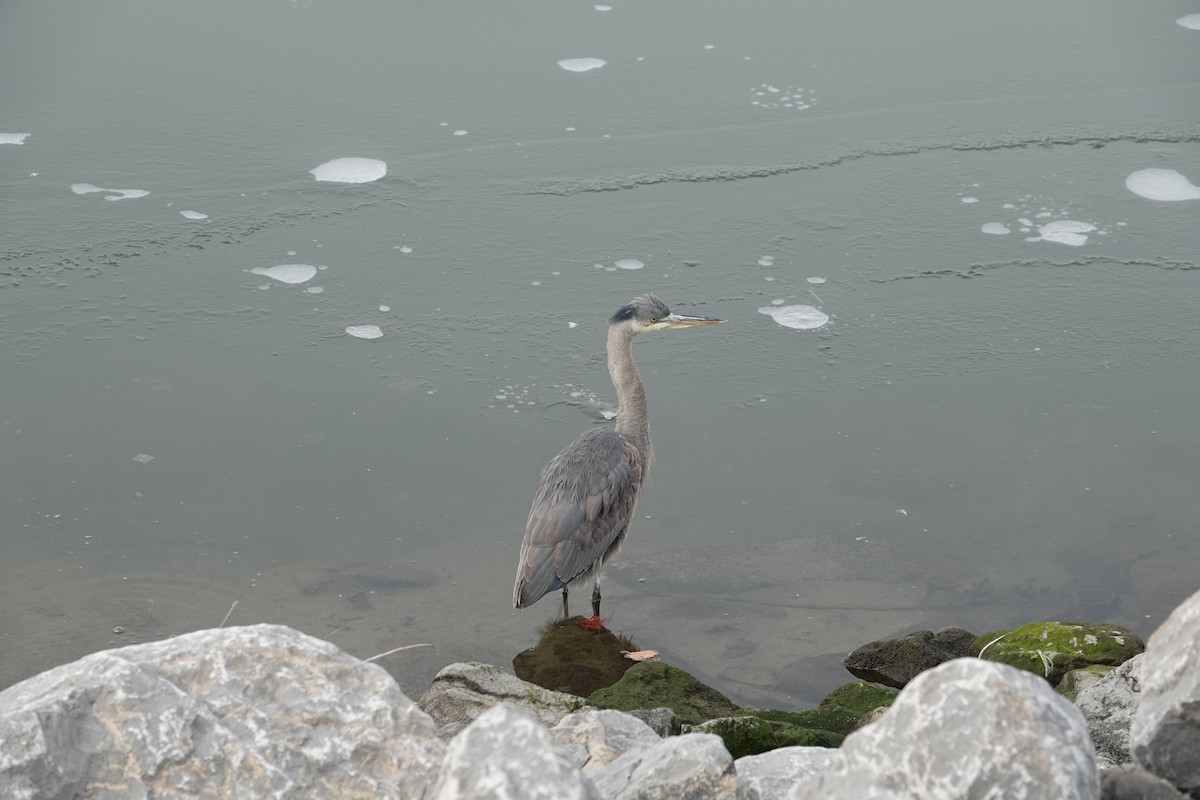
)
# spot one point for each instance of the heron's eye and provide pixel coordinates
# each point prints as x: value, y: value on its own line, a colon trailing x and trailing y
x: 654, y: 320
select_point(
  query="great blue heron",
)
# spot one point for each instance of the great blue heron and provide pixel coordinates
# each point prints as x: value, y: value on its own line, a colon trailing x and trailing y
x: 587, y: 494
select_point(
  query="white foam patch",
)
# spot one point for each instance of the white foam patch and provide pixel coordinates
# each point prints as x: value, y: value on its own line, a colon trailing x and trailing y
x: 350, y: 170
x: 787, y: 98
x: 801, y: 317
x: 970, y: 199
x: 581, y: 64
x: 816, y: 279
x: 315, y: 289
x: 1190, y: 21
x: 364, y: 331
x: 998, y: 228
x: 117, y: 194
x: 13, y: 138
x: 1161, y: 184
x: 628, y: 263
x: 1063, y: 231
x: 193, y: 215
x: 288, y: 273
x: 602, y: 8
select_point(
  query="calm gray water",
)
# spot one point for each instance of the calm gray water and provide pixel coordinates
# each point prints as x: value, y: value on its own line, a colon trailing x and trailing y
x: 991, y: 428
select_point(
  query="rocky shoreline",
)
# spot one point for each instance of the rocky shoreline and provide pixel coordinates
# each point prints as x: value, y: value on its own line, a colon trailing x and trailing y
x: 265, y: 711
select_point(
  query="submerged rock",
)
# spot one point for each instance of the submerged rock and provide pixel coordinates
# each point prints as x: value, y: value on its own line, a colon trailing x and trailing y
x: 1052, y: 649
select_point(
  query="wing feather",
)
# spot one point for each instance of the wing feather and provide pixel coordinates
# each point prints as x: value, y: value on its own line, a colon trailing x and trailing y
x: 580, y: 513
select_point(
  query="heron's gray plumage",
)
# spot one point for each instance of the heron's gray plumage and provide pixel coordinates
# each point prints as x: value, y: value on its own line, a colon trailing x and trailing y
x: 588, y: 493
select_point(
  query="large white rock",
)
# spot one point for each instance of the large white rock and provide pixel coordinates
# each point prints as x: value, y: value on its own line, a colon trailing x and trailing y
x: 257, y: 711
x: 694, y: 765
x: 967, y: 728
x: 593, y: 737
x: 506, y: 755
x: 461, y: 692
x: 1165, y: 735
x: 771, y: 775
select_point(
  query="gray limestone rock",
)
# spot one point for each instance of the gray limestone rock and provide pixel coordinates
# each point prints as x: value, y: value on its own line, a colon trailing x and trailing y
x: 771, y: 775
x: 1165, y: 735
x: 505, y: 754
x: 663, y: 721
x: 461, y: 692
x: 256, y: 711
x: 968, y: 728
x: 1108, y: 706
x: 695, y: 766
x: 1131, y: 782
x: 593, y: 737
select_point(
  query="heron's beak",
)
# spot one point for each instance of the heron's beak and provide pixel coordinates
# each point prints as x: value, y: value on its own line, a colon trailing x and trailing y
x: 674, y: 320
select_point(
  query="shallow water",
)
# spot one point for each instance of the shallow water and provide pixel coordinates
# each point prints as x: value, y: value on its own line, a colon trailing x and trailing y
x: 329, y: 400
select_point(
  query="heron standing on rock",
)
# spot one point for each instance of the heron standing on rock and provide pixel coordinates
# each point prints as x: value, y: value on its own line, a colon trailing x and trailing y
x: 587, y: 494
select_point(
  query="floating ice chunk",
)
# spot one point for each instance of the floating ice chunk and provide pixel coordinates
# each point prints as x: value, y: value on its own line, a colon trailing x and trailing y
x: 288, y: 273
x: 1162, y: 184
x: 350, y: 170
x: 1063, y: 231
x: 629, y: 263
x: 13, y: 138
x: 364, y: 331
x: 193, y: 215
x: 1190, y: 21
x: 118, y: 194
x: 998, y: 228
x: 142, y: 458
x: 581, y: 64
x: 815, y: 279
x: 803, y: 318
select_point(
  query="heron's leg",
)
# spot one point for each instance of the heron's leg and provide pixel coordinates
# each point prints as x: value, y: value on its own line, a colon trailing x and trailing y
x: 566, y: 613
x: 596, y: 600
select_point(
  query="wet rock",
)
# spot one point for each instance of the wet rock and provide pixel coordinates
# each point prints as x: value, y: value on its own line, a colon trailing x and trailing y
x: 1131, y: 782
x: 569, y: 659
x: 1108, y: 706
x: 694, y: 765
x: 1165, y: 736
x: 654, y: 684
x: 505, y: 753
x: 770, y: 776
x: 255, y: 711
x: 895, y: 662
x: 593, y: 737
x: 1077, y: 680
x: 461, y: 692
x: 1052, y: 649
x: 970, y: 728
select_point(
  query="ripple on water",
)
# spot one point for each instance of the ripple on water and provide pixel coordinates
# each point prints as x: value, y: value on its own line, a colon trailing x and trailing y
x: 1161, y: 184
x: 800, y: 317
x: 581, y: 64
x: 350, y: 170
x: 288, y: 273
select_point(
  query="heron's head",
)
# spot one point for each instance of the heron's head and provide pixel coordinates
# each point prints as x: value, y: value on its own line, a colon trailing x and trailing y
x: 651, y: 314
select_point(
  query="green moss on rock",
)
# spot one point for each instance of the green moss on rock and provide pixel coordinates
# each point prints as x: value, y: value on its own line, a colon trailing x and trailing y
x: 1052, y: 649
x: 655, y: 685
x: 840, y: 712
x: 750, y: 735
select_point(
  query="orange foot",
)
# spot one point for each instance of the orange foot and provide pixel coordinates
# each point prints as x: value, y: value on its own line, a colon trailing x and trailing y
x: 592, y: 624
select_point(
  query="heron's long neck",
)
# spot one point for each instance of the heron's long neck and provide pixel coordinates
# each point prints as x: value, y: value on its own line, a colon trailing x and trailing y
x: 633, y: 418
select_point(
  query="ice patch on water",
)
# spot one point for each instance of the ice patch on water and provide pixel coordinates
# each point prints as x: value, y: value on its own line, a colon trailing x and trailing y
x: 1162, y: 184
x: 629, y: 263
x: 193, y: 215
x: 118, y: 194
x: 1063, y: 231
x: 998, y: 228
x: 288, y: 273
x: 364, y: 331
x: 788, y: 98
x: 800, y: 317
x: 581, y: 64
x: 350, y: 170
x: 13, y: 138
x: 1190, y: 21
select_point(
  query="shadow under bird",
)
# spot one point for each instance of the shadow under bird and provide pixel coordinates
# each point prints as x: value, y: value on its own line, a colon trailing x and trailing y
x: 587, y: 494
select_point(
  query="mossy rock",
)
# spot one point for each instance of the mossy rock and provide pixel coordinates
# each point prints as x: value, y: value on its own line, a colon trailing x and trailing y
x: 1052, y: 649
x: 840, y: 712
x: 751, y: 735
x: 1077, y: 680
x: 653, y: 684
